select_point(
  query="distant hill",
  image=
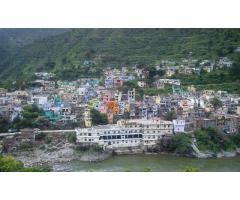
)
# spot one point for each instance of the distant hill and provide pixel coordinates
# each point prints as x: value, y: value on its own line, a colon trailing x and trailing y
x: 12, y: 40
x: 84, y: 52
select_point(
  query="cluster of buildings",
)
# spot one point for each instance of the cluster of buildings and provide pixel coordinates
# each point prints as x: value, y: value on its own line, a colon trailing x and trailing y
x: 190, y: 65
x: 131, y: 120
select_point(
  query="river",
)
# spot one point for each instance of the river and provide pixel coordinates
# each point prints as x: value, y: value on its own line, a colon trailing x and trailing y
x: 156, y: 163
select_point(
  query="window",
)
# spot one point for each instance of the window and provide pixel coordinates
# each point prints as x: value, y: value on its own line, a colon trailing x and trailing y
x: 89, y: 134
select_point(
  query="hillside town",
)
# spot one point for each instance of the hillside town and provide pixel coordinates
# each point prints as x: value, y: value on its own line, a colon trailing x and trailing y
x: 132, y: 118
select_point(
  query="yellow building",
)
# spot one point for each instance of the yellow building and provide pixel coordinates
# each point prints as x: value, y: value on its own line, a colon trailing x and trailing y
x: 87, y: 118
x: 158, y: 99
x: 127, y: 107
x: 191, y: 88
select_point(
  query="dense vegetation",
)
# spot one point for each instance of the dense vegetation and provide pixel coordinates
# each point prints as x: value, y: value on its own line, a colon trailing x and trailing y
x: 98, y: 118
x: 32, y: 117
x: 84, y: 52
x: 10, y: 164
x: 211, y: 140
x: 181, y: 143
x: 206, y: 139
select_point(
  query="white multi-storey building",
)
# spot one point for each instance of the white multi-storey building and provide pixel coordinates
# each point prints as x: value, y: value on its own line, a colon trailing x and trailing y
x: 179, y: 126
x: 126, y: 133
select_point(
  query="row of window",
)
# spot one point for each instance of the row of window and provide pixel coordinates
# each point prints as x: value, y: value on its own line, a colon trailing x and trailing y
x: 117, y: 137
x: 123, y: 142
x: 112, y: 132
x: 158, y: 126
x: 126, y: 131
x: 169, y: 131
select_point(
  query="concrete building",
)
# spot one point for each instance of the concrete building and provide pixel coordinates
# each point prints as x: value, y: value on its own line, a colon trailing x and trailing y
x: 126, y: 133
x: 178, y: 126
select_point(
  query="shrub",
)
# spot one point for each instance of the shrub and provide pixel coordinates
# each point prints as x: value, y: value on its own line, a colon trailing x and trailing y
x: 25, y: 146
x: 72, y: 138
x: 47, y: 140
x: 191, y: 169
x: 146, y: 169
x: 181, y: 143
x: 40, y: 136
x: 10, y: 164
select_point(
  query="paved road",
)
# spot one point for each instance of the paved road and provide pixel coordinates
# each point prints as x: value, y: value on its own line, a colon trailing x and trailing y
x: 40, y: 131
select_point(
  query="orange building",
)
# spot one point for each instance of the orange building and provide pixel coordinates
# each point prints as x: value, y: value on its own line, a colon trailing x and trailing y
x: 113, y: 106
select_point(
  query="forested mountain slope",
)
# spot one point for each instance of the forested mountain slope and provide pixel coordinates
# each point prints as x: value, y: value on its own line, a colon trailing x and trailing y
x: 84, y: 52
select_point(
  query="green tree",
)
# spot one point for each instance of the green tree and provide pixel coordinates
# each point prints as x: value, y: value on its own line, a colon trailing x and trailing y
x: 235, y: 70
x: 98, y: 118
x: 4, y: 124
x: 170, y: 116
x: 33, y: 117
x: 72, y: 138
x: 216, y: 102
x: 181, y: 143
x: 10, y: 164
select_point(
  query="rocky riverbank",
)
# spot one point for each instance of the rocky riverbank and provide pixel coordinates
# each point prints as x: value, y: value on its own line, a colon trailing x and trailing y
x: 39, y: 157
x: 209, y: 154
x: 68, y: 153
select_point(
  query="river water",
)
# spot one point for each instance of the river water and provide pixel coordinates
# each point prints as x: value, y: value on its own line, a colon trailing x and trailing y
x: 156, y: 163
